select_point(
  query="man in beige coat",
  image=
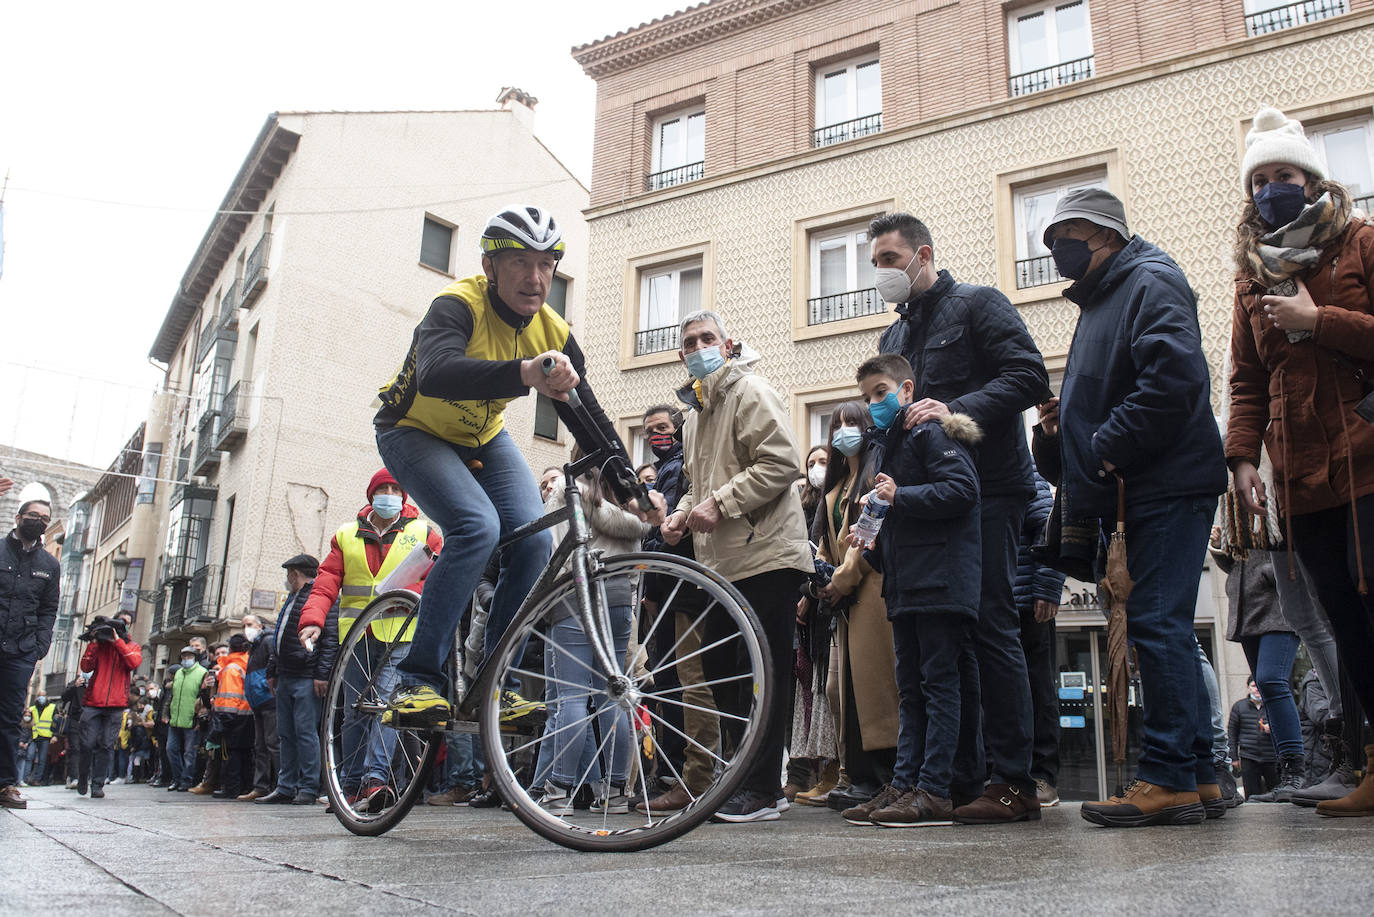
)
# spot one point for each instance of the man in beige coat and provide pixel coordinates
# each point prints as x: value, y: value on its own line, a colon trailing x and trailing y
x: 747, y: 524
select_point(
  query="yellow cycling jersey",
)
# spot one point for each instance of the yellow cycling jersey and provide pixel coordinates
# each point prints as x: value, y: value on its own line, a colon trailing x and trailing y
x: 470, y: 422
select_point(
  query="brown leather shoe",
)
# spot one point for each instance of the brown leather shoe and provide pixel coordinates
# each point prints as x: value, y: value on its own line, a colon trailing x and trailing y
x: 10, y: 798
x: 201, y: 789
x: 1212, y: 801
x: 251, y: 795
x: 1146, y: 804
x: 1360, y: 801
x: 862, y: 814
x: 915, y: 809
x: 675, y: 800
x: 1000, y: 804
x: 816, y: 796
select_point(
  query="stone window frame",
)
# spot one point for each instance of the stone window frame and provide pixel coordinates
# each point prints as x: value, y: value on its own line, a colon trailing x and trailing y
x: 635, y: 269
x: 452, y: 238
x: 802, y: 230
x: 806, y: 397
x: 1008, y: 183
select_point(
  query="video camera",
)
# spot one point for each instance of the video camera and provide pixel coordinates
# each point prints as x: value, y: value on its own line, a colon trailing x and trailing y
x: 104, y: 629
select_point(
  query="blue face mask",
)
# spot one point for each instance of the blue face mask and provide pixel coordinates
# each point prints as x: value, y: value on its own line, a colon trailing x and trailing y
x: 701, y: 363
x: 847, y: 440
x: 387, y: 506
x: 885, y: 411
x: 1280, y: 202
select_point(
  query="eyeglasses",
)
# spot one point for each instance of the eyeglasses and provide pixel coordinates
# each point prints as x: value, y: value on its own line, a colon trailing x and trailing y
x: 35, y: 517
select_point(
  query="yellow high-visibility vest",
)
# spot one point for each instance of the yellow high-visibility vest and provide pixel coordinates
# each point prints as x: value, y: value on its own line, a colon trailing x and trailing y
x: 359, y: 586
x: 42, y: 720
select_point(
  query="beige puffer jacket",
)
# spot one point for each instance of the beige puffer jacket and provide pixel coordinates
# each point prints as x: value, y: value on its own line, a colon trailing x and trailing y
x: 738, y: 447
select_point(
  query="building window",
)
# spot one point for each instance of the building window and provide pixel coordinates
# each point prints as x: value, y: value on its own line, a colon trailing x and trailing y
x: 1265, y: 16
x: 679, y: 150
x: 1347, y: 148
x: 1049, y: 46
x: 841, y: 276
x: 818, y: 422
x: 545, y: 415
x: 665, y: 295
x: 1033, y: 205
x: 436, y: 245
x: 849, y: 102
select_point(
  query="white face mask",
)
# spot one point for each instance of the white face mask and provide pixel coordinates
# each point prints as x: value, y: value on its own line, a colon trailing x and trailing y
x: 892, y: 284
x: 252, y: 633
x: 815, y: 475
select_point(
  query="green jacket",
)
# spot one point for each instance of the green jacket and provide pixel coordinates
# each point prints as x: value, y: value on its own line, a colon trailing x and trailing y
x: 185, y: 686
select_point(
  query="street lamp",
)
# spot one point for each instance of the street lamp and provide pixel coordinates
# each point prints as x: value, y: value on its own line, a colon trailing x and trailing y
x: 120, y: 563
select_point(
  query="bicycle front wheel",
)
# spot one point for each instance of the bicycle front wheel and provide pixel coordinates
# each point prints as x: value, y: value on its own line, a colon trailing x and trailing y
x: 374, y: 773
x: 584, y: 777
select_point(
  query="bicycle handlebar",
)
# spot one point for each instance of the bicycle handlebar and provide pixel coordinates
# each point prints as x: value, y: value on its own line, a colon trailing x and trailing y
x: 624, y: 475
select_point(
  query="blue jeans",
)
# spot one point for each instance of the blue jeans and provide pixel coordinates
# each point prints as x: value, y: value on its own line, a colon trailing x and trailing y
x: 928, y: 648
x: 1220, y: 753
x: 1166, y: 544
x: 464, y: 763
x: 37, y: 763
x: 298, y: 727
x: 367, y: 744
x: 1271, y: 663
x: 568, y: 657
x: 474, y: 510
x: 181, y: 753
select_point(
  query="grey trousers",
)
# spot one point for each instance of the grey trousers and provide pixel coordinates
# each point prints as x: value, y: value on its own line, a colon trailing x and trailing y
x: 266, y: 750
x: 1220, y: 752
x: 1303, y: 612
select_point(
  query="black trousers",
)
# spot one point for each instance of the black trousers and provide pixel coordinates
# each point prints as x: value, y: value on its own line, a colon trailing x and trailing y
x: 1037, y: 641
x: 99, y: 729
x: 773, y: 596
x: 15, y: 672
x: 1257, y: 777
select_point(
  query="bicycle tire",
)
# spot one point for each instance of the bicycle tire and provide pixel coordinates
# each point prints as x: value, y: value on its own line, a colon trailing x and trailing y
x: 415, y: 774
x: 634, y: 831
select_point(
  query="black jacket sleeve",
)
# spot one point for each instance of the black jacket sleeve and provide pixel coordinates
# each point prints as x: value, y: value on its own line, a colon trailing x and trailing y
x: 1048, y: 460
x: 47, y: 610
x: 328, y: 647
x: 442, y: 367
x: 1004, y: 342
x: 951, y: 487
x: 586, y: 438
x: 1233, y: 731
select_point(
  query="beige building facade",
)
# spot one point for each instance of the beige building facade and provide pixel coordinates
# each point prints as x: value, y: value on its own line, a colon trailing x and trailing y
x: 743, y: 145
x: 336, y: 234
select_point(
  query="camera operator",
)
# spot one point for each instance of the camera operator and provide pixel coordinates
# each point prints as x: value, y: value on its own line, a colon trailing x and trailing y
x: 109, y: 660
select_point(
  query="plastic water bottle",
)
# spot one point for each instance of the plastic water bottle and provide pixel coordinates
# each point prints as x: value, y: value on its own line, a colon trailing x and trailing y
x: 871, y: 520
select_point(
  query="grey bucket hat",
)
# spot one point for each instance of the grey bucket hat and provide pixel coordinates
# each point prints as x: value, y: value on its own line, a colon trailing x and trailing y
x: 1092, y: 204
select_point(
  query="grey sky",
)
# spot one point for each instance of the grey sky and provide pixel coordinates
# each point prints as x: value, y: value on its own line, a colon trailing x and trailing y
x: 154, y: 105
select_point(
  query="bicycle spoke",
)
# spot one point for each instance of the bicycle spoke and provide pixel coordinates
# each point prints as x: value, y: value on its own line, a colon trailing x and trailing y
x: 688, y: 738
x: 663, y: 609
x: 548, y: 735
x: 678, y: 642
x: 549, y: 678
x: 705, y: 649
x: 548, y: 642
x: 686, y: 706
x: 694, y: 685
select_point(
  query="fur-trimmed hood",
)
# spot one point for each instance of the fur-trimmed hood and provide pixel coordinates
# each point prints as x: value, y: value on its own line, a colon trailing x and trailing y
x: 963, y: 429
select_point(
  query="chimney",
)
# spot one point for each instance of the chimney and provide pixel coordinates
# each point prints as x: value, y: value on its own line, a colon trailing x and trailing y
x: 519, y: 103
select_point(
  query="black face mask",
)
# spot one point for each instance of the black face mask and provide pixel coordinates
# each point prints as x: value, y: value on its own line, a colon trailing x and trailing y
x: 1072, y: 256
x: 32, y: 529
x: 1280, y: 202
x: 662, y: 443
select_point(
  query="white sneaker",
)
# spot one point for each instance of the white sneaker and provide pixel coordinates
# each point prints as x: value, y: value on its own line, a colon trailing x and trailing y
x: 557, y: 800
x: 615, y: 804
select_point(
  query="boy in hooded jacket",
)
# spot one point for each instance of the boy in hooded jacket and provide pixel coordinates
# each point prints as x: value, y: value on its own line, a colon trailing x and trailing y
x: 929, y: 551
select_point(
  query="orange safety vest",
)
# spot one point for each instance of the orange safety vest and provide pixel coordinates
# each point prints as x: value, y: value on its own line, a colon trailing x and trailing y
x: 229, y: 696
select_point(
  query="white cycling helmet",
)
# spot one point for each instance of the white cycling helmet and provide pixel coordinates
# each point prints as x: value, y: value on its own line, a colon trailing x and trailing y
x: 524, y: 227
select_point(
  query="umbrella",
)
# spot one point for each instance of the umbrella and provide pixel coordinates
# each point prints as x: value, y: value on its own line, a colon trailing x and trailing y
x: 1118, y: 585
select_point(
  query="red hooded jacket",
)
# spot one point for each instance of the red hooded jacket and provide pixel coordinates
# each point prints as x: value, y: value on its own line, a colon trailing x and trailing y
x: 111, y: 662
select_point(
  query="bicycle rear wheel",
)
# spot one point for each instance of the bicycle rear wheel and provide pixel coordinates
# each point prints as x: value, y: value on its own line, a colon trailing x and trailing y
x: 585, y: 783
x: 360, y: 753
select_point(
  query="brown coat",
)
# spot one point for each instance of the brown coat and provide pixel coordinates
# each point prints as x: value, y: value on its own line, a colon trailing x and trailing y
x: 865, y: 643
x: 1300, y: 398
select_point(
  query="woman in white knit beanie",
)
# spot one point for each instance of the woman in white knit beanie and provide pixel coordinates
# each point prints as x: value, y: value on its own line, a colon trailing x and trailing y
x: 1302, y: 359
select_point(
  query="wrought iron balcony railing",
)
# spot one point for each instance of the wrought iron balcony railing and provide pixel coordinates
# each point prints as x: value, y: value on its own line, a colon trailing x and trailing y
x: 656, y: 340
x: 657, y: 181
x: 1048, y: 77
x: 1366, y: 204
x: 206, y: 455
x: 839, y: 306
x: 1285, y: 17
x: 1036, y: 272
x: 847, y: 130
x: 229, y: 308
x: 233, y: 416
x: 202, y: 595
x: 255, y: 270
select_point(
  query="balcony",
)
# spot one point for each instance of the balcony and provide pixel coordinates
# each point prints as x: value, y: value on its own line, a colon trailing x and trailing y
x: 206, y: 456
x: 1294, y: 14
x: 1365, y: 203
x: 159, y: 613
x: 839, y: 306
x: 656, y: 340
x: 202, y: 595
x: 1072, y: 71
x: 176, y: 608
x: 847, y: 130
x: 1036, y: 272
x: 229, y: 308
x: 233, y: 417
x: 657, y: 181
x: 255, y: 270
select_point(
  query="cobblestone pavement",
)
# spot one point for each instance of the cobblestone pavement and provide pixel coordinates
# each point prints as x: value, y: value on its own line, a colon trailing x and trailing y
x: 145, y: 851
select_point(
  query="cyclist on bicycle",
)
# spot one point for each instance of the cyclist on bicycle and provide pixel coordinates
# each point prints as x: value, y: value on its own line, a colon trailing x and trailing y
x: 441, y: 433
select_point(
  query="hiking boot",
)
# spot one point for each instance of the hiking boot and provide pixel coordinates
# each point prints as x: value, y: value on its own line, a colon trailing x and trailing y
x: 1339, y: 782
x: 1144, y: 804
x: 10, y: 798
x: 1290, y: 781
x: 453, y: 797
x: 746, y: 805
x: 1358, y: 802
x: 1226, y: 782
x: 1046, y: 793
x: 1213, y: 802
x: 675, y: 800
x: 862, y: 814
x: 1001, y: 803
x: 513, y: 706
x: 915, y: 809
x: 416, y: 707
x: 816, y: 796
